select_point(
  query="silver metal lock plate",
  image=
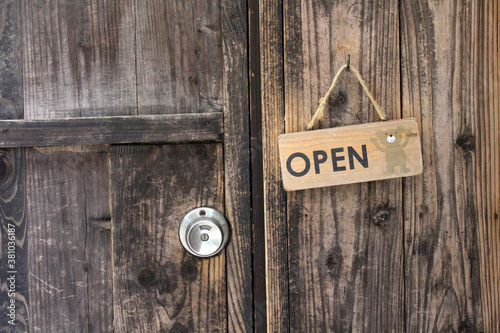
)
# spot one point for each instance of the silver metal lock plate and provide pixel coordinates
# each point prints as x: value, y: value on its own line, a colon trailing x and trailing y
x: 204, y: 232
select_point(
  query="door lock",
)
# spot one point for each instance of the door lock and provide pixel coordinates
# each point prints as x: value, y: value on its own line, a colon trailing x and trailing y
x: 204, y: 232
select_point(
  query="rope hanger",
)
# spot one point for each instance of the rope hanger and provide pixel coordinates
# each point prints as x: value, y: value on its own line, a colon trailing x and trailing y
x: 320, y: 112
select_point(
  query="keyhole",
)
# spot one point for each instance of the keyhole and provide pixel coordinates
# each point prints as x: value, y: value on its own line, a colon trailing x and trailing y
x: 204, y: 237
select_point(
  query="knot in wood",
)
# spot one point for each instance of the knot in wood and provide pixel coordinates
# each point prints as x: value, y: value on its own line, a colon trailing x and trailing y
x: 333, y: 262
x: 5, y: 168
x: 381, y: 218
x: 86, y: 267
x: 146, y: 277
x: 189, y: 270
x: 466, y: 142
x: 178, y: 328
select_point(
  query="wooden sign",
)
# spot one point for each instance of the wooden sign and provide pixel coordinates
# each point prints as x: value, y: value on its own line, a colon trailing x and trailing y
x: 350, y: 154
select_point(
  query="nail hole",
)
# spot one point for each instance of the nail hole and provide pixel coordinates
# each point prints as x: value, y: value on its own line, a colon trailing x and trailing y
x: 203, y: 213
x: 341, y: 98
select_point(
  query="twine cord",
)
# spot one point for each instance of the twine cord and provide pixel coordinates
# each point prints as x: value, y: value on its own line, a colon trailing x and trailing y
x: 320, y: 112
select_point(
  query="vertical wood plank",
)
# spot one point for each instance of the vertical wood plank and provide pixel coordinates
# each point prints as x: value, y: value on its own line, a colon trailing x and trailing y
x: 450, y: 84
x: 78, y: 61
x: 79, y: 58
x: 487, y: 147
x: 158, y: 286
x: 179, y: 56
x: 237, y: 164
x: 12, y: 177
x: 69, y: 258
x: 257, y: 175
x: 271, y: 58
x: 13, y: 223
x: 345, y: 242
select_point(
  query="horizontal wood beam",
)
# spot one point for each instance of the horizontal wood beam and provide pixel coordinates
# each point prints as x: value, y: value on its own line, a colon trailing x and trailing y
x: 192, y: 127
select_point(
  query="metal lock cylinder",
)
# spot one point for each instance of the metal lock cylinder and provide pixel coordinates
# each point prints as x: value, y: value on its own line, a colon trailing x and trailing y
x: 204, y: 232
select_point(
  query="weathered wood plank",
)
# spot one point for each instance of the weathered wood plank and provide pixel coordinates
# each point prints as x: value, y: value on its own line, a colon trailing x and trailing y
x: 486, y: 181
x: 112, y: 130
x: 237, y: 164
x: 276, y: 241
x: 345, y: 242
x: 451, y: 211
x: 69, y: 256
x: 13, y: 223
x: 179, y: 56
x: 257, y: 175
x: 12, y: 177
x: 158, y: 286
x: 79, y: 60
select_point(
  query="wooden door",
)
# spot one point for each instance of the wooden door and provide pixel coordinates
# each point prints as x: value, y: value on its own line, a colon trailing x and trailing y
x: 131, y: 113
x: 417, y: 254
x: 118, y: 117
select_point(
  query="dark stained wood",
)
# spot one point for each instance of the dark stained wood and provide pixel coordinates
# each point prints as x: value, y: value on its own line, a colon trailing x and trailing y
x: 13, y: 216
x: 450, y: 84
x: 158, y: 286
x: 69, y: 255
x: 258, y: 234
x: 79, y: 60
x: 344, y: 242
x: 237, y: 164
x: 11, y: 67
x: 112, y: 130
x: 12, y: 171
x: 276, y: 242
x: 180, y: 65
x: 179, y: 56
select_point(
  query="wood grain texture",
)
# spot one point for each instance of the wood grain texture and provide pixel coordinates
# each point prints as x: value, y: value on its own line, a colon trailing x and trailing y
x: 12, y: 173
x: 158, y: 286
x: 276, y: 242
x: 69, y: 257
x: 79, y: 59
x: 345, y: 242
x: 487, y: 149
x: 350, y: 154
x: 77, y: 55
x: 450, y: 84
x: 13, y: 216
x: 257, y: 175
x: 112, y: 130
x: 237, y: 164
x: 179, y: 55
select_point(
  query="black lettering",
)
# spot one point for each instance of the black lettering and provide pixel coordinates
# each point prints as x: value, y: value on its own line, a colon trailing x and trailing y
x: 336, y: 158
x: 352, y: 153
x: 289, y: 165
x: 318, y: 161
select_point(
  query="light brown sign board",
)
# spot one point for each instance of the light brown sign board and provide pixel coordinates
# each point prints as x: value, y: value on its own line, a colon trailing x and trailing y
x: 350, y: 154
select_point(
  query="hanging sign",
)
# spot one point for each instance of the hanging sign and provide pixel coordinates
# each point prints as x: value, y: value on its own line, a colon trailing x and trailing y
x: 350, y: 154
